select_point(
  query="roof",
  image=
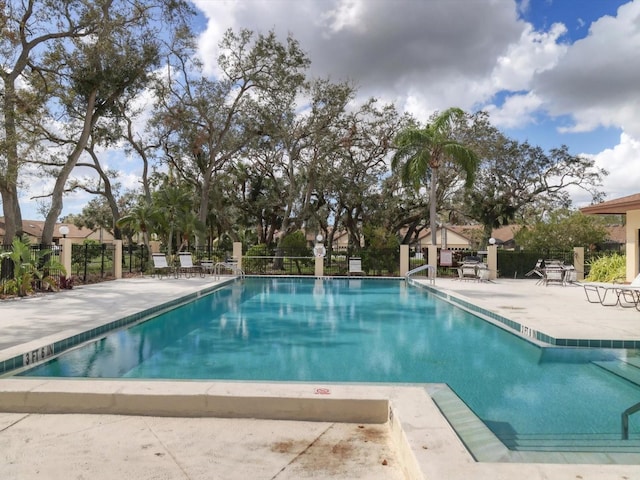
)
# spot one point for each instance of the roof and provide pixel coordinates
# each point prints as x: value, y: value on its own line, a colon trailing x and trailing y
x: 34, y: 228
x: 615, y: 206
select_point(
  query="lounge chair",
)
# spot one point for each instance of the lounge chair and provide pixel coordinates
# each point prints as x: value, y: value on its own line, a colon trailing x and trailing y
x: 355, y: 266
x: 612, y: 294
x: 187, y: 267
x: 160, y: 265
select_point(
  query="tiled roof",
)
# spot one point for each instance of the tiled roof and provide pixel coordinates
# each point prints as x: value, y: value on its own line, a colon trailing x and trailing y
x: 34, y: 228
x: 615, y: 206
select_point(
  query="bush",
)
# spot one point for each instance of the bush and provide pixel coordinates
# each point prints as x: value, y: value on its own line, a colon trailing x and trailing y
x: 608, y: 269
x: 257, y: 265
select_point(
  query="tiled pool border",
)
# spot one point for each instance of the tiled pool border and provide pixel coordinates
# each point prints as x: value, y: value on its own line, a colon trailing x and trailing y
x: 60, y: 346
x: 534, y: 336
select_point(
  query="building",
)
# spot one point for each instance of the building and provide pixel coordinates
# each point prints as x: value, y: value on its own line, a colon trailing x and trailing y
x: 629, y: 206
x: 33, y: 231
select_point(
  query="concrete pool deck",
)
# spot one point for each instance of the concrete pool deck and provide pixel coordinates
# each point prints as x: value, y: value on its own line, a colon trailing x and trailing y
x: 110, y: 429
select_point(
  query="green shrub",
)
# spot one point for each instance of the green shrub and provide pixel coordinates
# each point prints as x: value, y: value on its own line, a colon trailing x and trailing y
x: 608, y: 269
x: 257, y: 265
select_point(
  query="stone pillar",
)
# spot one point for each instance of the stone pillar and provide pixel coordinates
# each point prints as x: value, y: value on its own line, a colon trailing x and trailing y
x: 433, y: 256
x: 578, y: 262
x: 154, y: 246
x: 319, y: 267
x: 117, y: 259
x: 65, y: 255
x: 492, y: 261
x: 237, y: 253
x: 404, y: 260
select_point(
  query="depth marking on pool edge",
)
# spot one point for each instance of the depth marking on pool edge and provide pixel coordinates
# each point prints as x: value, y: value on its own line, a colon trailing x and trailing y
x: 528, y: 332
x: 34, y: 356
x: 322, y: 391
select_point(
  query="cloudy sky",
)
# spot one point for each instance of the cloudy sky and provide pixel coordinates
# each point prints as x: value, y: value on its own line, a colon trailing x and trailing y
x: 552, y: 72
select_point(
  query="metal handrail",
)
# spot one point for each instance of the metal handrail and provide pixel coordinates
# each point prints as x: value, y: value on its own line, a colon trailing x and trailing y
x: 431, y: 272
x: 228, y: 266
x: 625, y: 419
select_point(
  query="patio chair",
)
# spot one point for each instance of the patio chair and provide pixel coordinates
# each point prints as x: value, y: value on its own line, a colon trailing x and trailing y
x: 160, y: 265
x: 468, y: 271
x: 187, y: 267
x: 537, y: 270
x: 554, y: 275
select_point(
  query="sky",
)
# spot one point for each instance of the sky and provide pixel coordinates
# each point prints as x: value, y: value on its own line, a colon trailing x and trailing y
x: 550, y: 72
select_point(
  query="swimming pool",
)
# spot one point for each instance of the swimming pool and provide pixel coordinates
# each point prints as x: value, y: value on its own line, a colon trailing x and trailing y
x: 347, y: 330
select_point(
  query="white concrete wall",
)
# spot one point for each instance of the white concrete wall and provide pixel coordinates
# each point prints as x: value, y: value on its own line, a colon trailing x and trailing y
x: 633, y: 225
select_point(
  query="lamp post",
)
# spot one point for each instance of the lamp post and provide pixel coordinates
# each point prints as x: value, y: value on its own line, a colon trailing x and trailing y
x: 64, y: 231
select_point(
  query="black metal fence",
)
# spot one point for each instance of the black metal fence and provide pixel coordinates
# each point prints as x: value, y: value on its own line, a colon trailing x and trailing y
x: 95, y: 262
x: 92, y: 263
x: 44, y: 261
x: 279, y: 261
x: 517, y: 264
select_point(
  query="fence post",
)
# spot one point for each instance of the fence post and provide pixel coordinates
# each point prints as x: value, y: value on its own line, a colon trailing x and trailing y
x: 578, y: 262
x: 492, y: 261
x: 433, y: 256
x: 65, y: 255
x: 404, y: 260
x: 117, y: 259
x: 237, y: 253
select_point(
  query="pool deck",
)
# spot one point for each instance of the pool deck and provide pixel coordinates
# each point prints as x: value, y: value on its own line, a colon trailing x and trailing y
x: 103, y: 429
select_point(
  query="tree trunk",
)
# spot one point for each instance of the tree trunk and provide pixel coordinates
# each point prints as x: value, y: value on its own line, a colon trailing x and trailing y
x: 9, y: 178
x: 432, y: 206
x: 58, y: 189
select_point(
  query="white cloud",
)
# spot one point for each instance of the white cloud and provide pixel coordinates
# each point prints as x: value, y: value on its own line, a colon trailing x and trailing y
x: 517, y: 111
x: 346, y: 15
x: 596, y: 82
x: 623, y: 164
x: 534, y: 52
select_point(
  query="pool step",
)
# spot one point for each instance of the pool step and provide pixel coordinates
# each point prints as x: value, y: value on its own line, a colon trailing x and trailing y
x: 629, y: 370
x: 610, y: 443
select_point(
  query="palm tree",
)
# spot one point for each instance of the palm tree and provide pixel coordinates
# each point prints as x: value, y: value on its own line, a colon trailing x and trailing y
x: 421, y: 152
x: 141, y: 218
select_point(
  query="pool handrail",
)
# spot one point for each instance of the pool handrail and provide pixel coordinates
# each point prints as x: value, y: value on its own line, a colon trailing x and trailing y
x: 431, y: 272
x: 625, y: 419
x: 233, y: 266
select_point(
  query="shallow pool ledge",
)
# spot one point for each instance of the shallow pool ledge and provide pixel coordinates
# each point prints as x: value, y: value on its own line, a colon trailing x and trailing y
x: 343, y: 403
x: 192, y: 399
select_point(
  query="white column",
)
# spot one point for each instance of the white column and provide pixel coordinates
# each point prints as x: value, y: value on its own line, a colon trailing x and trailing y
x: 433, y: 256
x: 492, y: 261
x: 404, y: 260
x: 578, y: 262
x: 237, y: 253
x: 65, y: 255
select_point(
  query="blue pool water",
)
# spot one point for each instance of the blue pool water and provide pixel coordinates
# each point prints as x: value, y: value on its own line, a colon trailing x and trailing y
x: 291, y: 329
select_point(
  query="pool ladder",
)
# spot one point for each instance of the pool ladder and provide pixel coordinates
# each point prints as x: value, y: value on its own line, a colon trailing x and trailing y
x: 218, y: 267
x: 625, y: 419
x: 431, y: 272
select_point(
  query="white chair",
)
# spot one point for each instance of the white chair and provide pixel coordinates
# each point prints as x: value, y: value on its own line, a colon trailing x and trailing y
x: 612, y: 294
x: 355, y: 266
x: 160, y: 265
x: 554, y: 274
x: 187, y: 267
